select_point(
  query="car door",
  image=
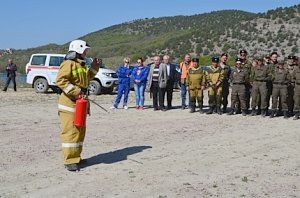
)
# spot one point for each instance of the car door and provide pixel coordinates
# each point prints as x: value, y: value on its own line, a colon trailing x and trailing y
x: 54, y: 63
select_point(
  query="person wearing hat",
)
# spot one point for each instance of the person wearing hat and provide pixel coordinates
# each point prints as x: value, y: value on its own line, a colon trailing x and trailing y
x: 259, y: 77
x: 225, y: 85
x: 272, y: 66
x: 196, y: 83
x: 246, y: 64
x: 296, y: 79
x: 291, y: 66
x: 238, y: 78
x: 214, y: 79
x: 73, y: 79
x: 280, y: 80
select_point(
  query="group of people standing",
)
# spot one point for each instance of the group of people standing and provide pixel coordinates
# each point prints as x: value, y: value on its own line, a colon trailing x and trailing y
x: 158, y: 78
x: 258, y: 80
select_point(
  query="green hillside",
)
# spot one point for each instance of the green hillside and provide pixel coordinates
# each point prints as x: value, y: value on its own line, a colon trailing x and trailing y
x: 201, y: 35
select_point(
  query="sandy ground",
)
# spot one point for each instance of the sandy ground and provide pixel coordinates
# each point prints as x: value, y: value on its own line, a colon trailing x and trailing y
x: 145, y: 153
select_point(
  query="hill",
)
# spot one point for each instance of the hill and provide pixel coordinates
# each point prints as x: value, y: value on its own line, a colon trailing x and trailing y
x: 201, y: 35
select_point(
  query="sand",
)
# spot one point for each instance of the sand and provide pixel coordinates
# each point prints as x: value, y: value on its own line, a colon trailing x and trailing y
x: 146, y: 153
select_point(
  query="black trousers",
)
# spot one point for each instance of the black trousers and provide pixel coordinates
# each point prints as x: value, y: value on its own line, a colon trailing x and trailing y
x: 13, y: 79
x: 158, y: 95
x: 169, y: 90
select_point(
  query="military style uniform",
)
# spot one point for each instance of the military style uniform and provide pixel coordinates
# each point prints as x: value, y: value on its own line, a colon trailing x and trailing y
x: 214, y: 78
x: 225, y: 86
x: 246, y: 65
x: 272, y: 67
x: 296, y: 78
x: 280, y: 80
x: 239, y: 79
x: 259, y: 77
x: 72, y: 77
x: 196, y: 83
x: 290, y: 89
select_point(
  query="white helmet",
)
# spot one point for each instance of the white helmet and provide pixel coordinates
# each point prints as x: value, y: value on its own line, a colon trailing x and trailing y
x: 78, y: 46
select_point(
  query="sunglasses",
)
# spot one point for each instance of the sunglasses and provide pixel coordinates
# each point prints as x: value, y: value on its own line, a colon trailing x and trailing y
x: 139, y: 62
x: 126, y: 62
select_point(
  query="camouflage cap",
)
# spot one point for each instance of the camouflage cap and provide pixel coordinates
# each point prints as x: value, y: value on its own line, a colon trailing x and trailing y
x: 291, y: 57
x: 224, y: 54
x: 243, y: 51
x: 196, y: 60
x: 215, y: 59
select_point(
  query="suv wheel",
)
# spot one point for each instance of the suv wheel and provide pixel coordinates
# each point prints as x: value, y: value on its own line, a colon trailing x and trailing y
x: 41, y: 85
x: 94, y: 87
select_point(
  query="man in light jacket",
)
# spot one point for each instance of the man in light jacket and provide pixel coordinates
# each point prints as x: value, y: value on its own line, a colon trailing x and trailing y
x: 157, y: 83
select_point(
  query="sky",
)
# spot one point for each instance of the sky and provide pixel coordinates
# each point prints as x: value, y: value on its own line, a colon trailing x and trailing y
x: 33, y: 23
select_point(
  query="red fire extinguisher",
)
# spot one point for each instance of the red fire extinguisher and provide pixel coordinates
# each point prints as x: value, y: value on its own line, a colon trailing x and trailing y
x: 80, y: 112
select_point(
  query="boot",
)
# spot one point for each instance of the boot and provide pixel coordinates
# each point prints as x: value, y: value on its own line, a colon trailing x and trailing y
x: 230, y: 112
x: 244, y: 112
x: 224, y: 109
x: 272, y: 114
x: 297, y: 116
x: 219, y: 111
x: 285, y: 115
x: 253, y: 112
x: 192, y: 110
x: 263, y: 113
x: 72, y: 167
x: 210, y: 111
x: 201, y: 110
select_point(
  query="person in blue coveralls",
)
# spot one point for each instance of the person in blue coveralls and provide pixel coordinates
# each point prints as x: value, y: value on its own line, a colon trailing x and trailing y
x: 123, y: 73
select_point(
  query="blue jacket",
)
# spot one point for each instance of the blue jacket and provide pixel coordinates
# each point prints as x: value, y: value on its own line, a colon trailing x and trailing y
x: 123, y: 75
x: 140, y: 73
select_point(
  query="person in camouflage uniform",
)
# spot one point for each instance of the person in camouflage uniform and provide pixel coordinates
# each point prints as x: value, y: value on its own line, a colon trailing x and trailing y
x: 196, y: 82
x: 296, y: 79
x: 280, y: 81
x: 246, y: 64
x: 225, y: 85
x: 291, y: 66
x: 259, y: 77
x: 238, y: 78
x: 214, y: 79
x: 272, y: 64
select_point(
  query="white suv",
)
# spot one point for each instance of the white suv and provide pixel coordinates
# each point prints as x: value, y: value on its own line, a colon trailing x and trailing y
x: 42, y: 70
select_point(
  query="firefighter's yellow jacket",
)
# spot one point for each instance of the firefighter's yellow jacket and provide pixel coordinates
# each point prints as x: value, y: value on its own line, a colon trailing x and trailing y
x: 72, y: 76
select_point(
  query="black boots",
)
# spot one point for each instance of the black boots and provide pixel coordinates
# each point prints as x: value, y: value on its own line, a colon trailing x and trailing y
x: 219, y: 111
x: 272, y: 114
x: 297, y: 116
x: 201, y: 110
x: 231, y: 112
x: 285, y: 115
x: 253, y: 112
x: 72, y: 167
x: 244, y: 112
x: 210, y: 111
x: 263, y: 113
x: 192, y: 110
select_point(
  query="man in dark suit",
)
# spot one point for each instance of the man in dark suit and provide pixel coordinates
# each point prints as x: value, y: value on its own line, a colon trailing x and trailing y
x: 11, y: 69
x: 171, y: 73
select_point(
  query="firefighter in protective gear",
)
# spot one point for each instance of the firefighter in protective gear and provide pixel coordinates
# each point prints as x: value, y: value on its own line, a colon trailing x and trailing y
x: 214, y: 79
x: 196, y: 82
x: 73, y: 79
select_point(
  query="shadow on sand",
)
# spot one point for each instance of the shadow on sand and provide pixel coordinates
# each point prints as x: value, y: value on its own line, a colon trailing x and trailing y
x: 114, y: 156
